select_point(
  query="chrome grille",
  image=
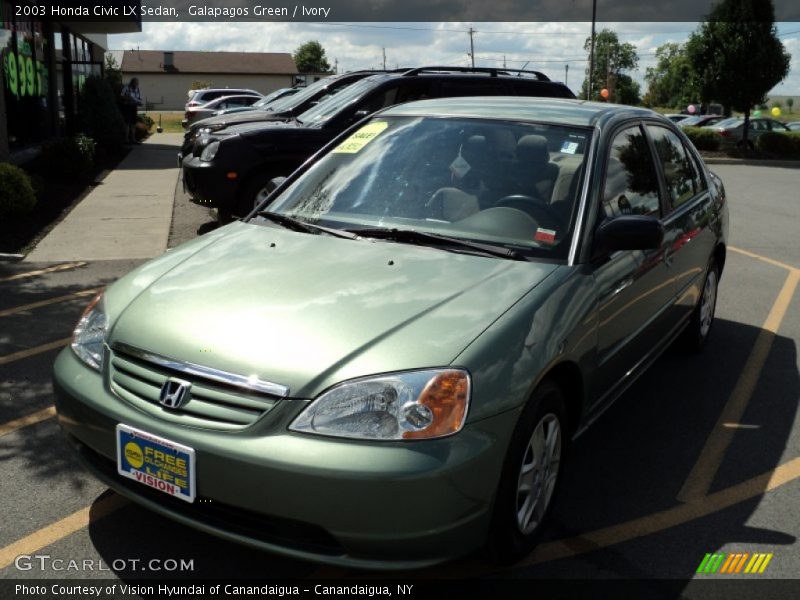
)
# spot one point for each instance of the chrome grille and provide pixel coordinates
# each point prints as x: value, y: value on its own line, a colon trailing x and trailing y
x: 211, y: 404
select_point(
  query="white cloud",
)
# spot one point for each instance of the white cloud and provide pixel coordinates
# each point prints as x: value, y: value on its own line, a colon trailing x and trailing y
x: 547, y: 47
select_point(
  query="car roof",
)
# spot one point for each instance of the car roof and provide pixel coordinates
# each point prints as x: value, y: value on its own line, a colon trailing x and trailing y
x: 564, y: 111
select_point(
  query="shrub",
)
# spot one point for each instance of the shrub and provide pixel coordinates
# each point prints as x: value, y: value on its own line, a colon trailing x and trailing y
x: 703, y: 138
x: 99, y: 115
x: 68, y: 157
x: 144, y: 123
x: 16, y: 191
x: 779, y: 144
x: 141, y: 131
x: 146, y: 120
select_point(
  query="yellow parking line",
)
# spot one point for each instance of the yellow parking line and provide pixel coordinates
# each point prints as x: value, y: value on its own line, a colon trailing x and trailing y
x: 31, y: 419
x: 61, y: 529
x: 671, y: 517
x: 53, y: 269
x: 702, y: 474
x: 26, y: 307
x: 9, y: 358
x: 765, y: 259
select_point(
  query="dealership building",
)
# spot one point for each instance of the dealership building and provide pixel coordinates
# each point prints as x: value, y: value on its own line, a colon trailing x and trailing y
x: 45, y: 62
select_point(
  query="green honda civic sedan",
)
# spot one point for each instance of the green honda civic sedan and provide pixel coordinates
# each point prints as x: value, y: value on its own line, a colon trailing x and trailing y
x: 384, y: 364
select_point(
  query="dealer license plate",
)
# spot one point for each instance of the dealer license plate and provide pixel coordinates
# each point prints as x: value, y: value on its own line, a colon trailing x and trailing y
x: 156, y: 462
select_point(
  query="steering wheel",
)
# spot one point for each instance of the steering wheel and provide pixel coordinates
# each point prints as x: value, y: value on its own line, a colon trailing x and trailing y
x: 537, y: 208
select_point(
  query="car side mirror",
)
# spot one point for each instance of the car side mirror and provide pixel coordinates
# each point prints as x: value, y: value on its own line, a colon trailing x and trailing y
x: 628, y: 232
x: 360, y: 114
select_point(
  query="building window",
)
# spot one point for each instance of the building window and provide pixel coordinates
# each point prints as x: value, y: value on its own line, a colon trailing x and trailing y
x: 26, y: 77
x: 32, y: 112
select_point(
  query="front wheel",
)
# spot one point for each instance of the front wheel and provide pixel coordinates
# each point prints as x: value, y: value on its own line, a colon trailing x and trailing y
x: 255, y: 192
x: 530, y: 476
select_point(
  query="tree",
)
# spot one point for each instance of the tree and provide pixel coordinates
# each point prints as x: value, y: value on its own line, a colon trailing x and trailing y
x: 112, y: 73
x: 789, y: 104
x: 672, y: 81
x: 310, y: 58
x: 737, y: 55
x: 611, y: 58
x: 200, y: 84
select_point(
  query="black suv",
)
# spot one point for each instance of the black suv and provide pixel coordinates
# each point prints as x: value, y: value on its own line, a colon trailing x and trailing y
x: 231, y: 169
x: 281, y: 109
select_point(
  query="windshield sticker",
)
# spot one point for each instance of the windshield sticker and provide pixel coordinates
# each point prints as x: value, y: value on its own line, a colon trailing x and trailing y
x: 569, y: 147
x: 361, y: 138
x: 548, y: 236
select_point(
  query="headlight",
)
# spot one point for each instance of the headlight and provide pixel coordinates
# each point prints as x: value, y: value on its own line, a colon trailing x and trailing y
x: 412, y: 405
x: 90, y: 333
x: 209, y: 152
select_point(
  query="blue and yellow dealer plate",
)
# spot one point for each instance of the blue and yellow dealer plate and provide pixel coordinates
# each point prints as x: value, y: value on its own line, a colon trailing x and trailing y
x: 158, y: 463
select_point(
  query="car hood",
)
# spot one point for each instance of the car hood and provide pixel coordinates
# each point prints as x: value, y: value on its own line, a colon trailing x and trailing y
x: 251, y: 115
x: 250, y: 129
x: 307, y: 311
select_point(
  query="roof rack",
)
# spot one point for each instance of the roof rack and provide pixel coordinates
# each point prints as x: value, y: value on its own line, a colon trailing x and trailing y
x: 493, y: 72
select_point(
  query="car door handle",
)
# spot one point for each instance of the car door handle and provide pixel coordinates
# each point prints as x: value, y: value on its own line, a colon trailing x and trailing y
x: 621, y: 286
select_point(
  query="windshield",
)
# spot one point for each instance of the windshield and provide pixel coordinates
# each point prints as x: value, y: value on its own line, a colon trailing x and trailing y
x: 499, y: 182
x: 732, y: 122
x: 270, y: 97
x: 325, y: 110
x: 289, y: 102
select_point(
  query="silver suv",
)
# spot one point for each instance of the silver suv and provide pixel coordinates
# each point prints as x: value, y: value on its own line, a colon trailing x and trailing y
x: 200, y: 97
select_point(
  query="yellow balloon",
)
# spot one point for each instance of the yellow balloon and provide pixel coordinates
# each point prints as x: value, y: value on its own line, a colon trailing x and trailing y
x: 776, y: 112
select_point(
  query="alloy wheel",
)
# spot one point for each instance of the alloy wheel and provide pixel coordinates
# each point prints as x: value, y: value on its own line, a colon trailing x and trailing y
x: 538, y: 473
x: 708, y: 302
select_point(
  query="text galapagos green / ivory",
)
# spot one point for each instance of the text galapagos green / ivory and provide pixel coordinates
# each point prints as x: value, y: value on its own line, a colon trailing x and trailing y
x: 237, y: 11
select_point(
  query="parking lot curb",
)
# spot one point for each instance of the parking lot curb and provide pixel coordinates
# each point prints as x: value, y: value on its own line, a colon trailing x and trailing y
x: 754, y: 162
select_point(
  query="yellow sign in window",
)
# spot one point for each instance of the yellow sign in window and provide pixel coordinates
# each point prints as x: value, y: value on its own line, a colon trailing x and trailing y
x: 361, y: 138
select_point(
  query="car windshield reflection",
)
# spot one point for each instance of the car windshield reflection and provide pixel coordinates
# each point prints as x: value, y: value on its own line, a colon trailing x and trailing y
x: 495, y: 181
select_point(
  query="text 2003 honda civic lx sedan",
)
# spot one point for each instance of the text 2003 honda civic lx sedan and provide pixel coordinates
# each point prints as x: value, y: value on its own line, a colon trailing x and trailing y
x: 383, y: 367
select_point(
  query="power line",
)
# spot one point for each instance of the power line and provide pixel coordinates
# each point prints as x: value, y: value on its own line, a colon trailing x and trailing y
x: 491, y: 32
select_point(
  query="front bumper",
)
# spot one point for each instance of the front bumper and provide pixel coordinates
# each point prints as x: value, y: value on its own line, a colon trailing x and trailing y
x: 356, y: 504
x: 206, y: 184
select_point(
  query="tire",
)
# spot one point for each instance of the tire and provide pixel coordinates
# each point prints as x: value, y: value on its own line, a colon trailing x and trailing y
x: 696, y: 333
x: 224, y: 216
x: 256, y: 190
x: 519, y: 517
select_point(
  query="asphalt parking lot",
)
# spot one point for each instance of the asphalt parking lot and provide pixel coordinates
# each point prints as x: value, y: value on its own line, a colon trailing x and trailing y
x: 701, y: 455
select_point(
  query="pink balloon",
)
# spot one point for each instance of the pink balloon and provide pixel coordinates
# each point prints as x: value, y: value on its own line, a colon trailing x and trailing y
x: 692, y: 109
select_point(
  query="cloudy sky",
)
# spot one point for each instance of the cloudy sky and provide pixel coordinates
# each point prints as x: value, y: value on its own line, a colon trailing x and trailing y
x: 547, y: 47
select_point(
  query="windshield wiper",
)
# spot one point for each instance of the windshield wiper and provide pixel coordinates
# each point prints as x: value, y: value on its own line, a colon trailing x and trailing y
x: 304, y: 226
x: 424, y: 237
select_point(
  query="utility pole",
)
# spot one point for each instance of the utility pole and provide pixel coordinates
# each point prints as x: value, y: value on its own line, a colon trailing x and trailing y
x: 591, y: 52
x: 335, y: 65
x: 384, y: 58
x: 472, y: 46
x: 504, y: 61
x: 566, y: 74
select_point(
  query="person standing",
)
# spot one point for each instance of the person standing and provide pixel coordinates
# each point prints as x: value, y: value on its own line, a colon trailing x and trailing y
x: 131, y: 101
